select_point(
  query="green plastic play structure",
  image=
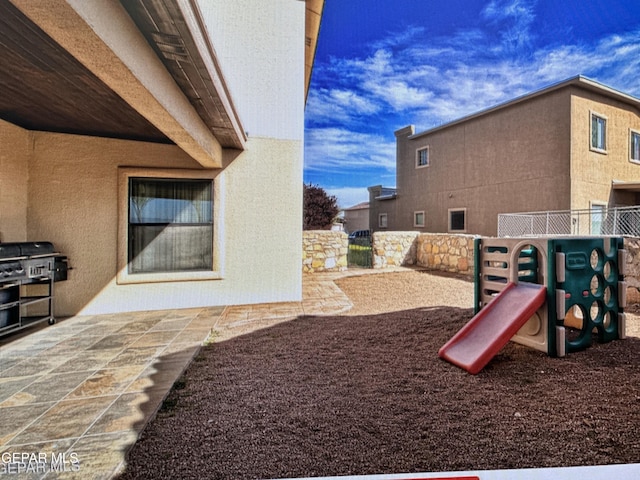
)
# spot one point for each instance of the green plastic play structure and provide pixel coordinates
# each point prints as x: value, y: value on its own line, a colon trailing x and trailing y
x: 584, y: 280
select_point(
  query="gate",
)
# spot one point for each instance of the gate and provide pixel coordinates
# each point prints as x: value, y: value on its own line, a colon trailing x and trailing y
x: 360, y: 253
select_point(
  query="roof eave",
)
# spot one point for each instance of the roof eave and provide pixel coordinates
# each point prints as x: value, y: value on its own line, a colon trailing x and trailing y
x: 579, y: 81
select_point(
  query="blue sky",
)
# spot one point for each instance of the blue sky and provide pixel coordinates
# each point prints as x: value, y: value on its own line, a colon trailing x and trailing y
x: 384, y: 64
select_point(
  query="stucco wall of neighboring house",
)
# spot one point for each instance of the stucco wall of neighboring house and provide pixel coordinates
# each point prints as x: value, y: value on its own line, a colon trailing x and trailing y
x: 511, y: 160
x: 356, y: 219
x: 592, y: 171
x: 15, y: 148
x: 386, y: 207
x: 73, y: 202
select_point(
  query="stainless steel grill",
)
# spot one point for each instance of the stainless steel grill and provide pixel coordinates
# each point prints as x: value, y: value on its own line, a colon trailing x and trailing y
x: 28, y: 271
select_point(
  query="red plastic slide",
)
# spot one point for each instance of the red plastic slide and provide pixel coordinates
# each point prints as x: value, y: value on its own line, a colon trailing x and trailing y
x: 485, y: 334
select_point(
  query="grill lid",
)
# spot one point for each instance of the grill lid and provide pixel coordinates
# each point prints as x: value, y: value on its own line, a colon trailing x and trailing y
x: 9, y: 250
x: 25, y: 249
x: 36, y: 248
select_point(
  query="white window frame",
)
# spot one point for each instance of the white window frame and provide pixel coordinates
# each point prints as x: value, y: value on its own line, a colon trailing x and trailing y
x: 454, y: 210
x: 415, y: 219
x: 418, y: 152
x: 123, y: 276
x: 383, y: 223
x: 592, y: 116
x: 634, y: 133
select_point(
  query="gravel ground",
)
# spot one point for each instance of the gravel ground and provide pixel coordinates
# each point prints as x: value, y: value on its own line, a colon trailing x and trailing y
x: 366, y: 393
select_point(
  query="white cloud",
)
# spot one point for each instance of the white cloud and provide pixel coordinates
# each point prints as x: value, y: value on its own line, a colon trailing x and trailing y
x: 332, y: 105
x: 349, y: 196
x: 336, y: 149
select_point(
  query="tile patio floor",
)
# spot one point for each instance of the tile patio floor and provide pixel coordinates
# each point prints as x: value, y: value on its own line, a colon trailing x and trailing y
x: 86, y: 386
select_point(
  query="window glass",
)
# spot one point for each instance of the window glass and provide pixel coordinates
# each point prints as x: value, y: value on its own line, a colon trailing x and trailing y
x: 170, y: 225
x: 382, y: 220
x: 635, y: 146
x: 457, y: 220
x: 418, y: 219
x: 598, y: 132
x: 422, y: 159
x: 597, y: 217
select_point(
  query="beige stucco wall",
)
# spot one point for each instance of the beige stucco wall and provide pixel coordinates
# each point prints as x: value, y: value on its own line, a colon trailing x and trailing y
x: 15, y: 148
x: 64, y: 188
x: 512, y: 160
x: 73, y: 202
x: 591, y: 171
x: 264, y: 59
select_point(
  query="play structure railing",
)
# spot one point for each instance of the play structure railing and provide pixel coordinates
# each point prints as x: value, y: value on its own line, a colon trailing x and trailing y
x: 597, y: 221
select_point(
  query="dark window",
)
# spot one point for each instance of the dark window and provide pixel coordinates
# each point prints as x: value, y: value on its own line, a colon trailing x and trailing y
x: 457, y: 220
x: 170, y: 225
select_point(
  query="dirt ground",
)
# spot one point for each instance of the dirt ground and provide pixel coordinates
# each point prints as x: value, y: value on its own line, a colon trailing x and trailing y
x: 366, y: 393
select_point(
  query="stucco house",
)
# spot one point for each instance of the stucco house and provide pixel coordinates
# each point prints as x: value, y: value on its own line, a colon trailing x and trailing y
x: 573, y: 145
x: 356, y: 217
x: 159, y: 145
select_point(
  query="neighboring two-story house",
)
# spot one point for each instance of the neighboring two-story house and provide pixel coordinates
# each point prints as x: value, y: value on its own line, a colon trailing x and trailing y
x: 573, y: 145
x: 159, y: 145
x: 356, y: 217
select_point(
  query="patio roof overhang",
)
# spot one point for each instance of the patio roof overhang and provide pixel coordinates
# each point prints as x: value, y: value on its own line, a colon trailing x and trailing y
x: 105, y: 69
x: 628, y: 186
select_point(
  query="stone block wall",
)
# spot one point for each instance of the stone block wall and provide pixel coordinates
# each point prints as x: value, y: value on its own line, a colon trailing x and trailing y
x: 434, y: 251
x: 446, y: 252
x: 324, y: 251
x: 394, y: 249
x: 632, y: 246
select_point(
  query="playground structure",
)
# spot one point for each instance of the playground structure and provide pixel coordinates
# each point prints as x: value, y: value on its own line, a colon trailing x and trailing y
x: 553, y: 294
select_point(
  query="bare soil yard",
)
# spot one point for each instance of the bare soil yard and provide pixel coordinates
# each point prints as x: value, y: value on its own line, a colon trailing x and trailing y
x: 366, y: 393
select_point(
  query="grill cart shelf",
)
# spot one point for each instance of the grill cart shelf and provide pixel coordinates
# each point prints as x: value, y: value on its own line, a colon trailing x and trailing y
x: 27, y: 275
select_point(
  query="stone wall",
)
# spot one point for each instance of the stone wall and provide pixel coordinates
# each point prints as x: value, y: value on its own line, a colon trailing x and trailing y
x: 632, y: 246
x: 446, y: 252
x: 324, y: 251
x: 394, y: 249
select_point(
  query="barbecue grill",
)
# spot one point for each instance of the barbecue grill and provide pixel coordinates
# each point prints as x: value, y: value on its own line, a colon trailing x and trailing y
x: 28, y: 271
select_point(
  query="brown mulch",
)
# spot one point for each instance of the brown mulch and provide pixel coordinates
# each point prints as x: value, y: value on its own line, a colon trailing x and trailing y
x: 366, y: 393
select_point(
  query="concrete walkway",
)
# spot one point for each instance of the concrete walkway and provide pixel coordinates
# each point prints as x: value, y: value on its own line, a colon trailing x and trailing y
x: 75, y: 396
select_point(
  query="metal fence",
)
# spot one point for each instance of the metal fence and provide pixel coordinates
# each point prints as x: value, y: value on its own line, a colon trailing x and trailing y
x: 360, y: 253
x: 595, y: 221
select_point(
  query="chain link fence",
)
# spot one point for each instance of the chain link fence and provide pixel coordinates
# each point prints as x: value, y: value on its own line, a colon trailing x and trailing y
x: 595, y: 221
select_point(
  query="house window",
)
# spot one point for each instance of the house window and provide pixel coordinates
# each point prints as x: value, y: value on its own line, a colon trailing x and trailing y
x: 418, y: 219
x: 598, y: 133
x: 382, y: 220
x: 597, y: 218
x: 458, y: 220
x: 422, y: 157
x: 635, y: 147
x: 170, y: 225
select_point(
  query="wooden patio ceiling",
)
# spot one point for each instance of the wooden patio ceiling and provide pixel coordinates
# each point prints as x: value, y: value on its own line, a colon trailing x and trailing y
x: 45, y: 88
